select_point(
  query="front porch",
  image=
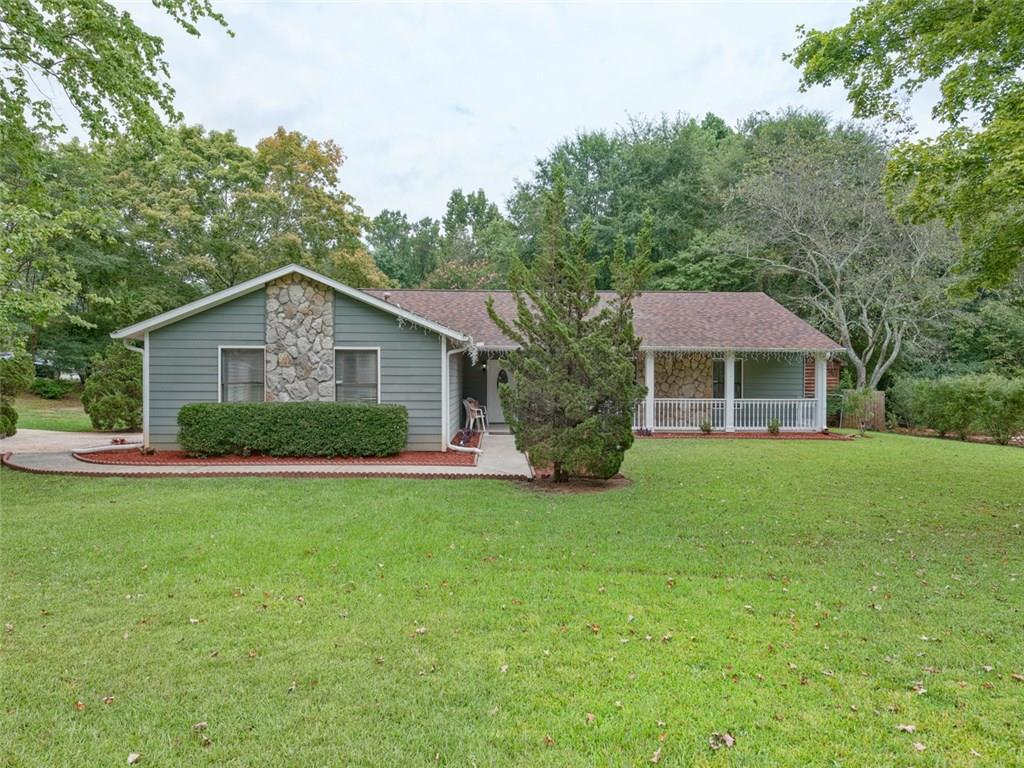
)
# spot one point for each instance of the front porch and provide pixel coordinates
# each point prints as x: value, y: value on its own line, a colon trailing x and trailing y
x: 732, y: 391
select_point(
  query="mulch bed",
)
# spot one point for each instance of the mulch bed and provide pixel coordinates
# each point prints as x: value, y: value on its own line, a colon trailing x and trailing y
x: 183, y: 459
x: 180, y: 458
x: 746, y: 436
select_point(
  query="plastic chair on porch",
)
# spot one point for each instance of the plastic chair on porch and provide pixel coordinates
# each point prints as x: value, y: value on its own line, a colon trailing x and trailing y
x: 476, y: 416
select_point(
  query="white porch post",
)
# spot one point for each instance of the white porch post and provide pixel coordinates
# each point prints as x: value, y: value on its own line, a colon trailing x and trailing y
x: 820, y: 391
x: 649, y: 383
x: 730, y: 391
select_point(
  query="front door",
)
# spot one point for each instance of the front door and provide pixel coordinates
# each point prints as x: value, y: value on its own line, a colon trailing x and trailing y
x: 497, y: 373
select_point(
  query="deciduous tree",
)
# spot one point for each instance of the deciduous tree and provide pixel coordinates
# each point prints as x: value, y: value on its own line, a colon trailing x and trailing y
x: 813, y: 210
x: 972, y: 174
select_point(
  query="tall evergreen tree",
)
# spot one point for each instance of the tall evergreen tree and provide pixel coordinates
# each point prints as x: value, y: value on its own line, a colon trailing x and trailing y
x: 573, y: 387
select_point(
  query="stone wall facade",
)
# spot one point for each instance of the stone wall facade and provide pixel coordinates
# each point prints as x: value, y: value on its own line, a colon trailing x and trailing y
x: 300, y: 340
x: 678, y: 375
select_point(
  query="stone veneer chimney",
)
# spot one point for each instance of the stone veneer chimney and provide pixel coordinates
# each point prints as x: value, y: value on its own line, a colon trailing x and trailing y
x: 300, y: 340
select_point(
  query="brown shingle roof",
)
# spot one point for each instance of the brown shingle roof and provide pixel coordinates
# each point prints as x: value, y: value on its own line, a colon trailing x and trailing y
x: 663, y: 319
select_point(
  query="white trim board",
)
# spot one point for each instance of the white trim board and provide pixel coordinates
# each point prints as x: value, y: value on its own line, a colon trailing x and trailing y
x: 138, y: 330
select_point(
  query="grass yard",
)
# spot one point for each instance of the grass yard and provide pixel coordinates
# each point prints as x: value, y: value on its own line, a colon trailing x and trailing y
x: 64, y: 415
x: 807, y: 597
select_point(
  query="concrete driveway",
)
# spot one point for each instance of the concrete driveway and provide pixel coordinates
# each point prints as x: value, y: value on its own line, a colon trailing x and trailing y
x: 49, y: 441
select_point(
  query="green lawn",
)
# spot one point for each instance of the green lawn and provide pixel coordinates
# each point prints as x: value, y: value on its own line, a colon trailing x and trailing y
x: 791, y: 593
x: 65, y: 415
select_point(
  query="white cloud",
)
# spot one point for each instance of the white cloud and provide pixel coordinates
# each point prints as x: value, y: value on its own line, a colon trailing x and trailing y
x: 425, y: 98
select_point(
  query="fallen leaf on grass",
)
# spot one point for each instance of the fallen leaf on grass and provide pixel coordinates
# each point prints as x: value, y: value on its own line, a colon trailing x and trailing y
x: 79, y: 706
x: 200, y: 726
x: 919, y: 746
x: 906, y: 728
x: 549, y: 741
x: 667, y: 637
x: 918, y: 687
x: 206, y: 742
x: 591, y: 717
x: 108, y: 699
x: 133, y: 758
x: 595, y: 628
x: 503, y: 668
x: 193, y: 621
x: 1017, y: 676
x: 719, y: 740
x: 253, y: 654
x: 656, y: 757
x: 8, y: 627
x: 987, y: 667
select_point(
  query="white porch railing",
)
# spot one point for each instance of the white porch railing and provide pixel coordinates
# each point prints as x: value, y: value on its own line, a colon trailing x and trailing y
x: 688, y: 413
x: 793, y: 414
x: 749, y: 414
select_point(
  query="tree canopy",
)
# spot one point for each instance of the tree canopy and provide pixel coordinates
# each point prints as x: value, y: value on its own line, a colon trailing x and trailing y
x: 971, y: 175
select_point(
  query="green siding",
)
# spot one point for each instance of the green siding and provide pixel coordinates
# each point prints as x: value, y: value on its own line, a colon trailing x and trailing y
x: 183, y: 359
x: 410, y: 364
x: 773, y: 377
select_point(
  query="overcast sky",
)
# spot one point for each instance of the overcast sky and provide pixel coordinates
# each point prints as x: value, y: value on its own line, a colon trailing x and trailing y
x: 424, y: 98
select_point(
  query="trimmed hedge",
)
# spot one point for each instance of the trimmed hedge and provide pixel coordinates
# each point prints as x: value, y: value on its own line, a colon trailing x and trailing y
x: 961, y: 405
x: 293, y: 429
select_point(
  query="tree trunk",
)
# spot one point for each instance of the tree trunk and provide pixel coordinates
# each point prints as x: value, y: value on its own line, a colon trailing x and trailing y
x: 559, y: 475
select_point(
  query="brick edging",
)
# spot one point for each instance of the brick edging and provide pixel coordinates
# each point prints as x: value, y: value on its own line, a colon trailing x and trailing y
x: 5, y: 461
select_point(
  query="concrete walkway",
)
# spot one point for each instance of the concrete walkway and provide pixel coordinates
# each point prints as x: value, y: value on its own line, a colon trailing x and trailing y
x: 52, y: 441
x: 499, y: 460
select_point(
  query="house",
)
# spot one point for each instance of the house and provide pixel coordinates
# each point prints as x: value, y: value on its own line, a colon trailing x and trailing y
x: 734, y: 360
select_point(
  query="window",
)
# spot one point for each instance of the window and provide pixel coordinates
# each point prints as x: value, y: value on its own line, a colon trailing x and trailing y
x: 718, y: 379
x: 241, y: 375
x: 355, y: 375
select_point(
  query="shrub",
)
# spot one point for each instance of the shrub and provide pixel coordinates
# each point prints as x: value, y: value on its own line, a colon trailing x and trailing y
x: 293, y: 429
x: 113, y: 393
x: 960, y: 405
x: 51, y: 389
x: 1003, y: 416
x: 774, y: 426
x: 705, y: 427
x: 8, y: 418
x: 859, y: 404
x: 16, y: 374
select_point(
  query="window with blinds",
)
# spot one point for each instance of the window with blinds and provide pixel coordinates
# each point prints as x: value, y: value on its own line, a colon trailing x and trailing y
x: 355, y: 375
x: 241, y: 376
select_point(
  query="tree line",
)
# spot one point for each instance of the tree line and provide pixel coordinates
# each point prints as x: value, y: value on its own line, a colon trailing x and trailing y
x: 907, y: 251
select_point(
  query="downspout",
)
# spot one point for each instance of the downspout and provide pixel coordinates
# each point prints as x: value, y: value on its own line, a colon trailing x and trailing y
x: 448, y: 361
